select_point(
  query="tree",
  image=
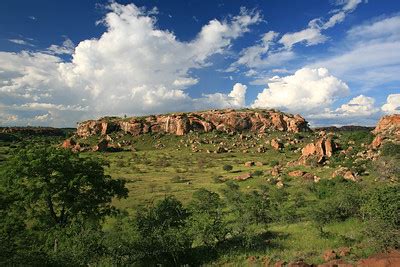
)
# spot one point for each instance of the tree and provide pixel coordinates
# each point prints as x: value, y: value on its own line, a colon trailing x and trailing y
x: 162, y: 233
x: 207, y: 220
x: 337, y: 200
x: 57, y: 187
x: 381, y: 212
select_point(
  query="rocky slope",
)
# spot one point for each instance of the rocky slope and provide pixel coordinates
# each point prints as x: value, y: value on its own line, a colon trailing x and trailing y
x: 257, y: 121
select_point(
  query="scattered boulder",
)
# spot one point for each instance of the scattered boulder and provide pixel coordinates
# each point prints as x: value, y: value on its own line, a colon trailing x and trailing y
x: 276, y: 170
x: 68, y: 143
x: 276, y: 144
x: 249, y: 164
x: 296, y: 173
x: 243, y: 177
x: 329, y: 255
x: 344, y: 251
x: 346, y: 173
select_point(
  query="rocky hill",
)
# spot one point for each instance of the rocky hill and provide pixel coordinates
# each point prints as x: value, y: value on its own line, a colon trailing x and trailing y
x: 229, y: 120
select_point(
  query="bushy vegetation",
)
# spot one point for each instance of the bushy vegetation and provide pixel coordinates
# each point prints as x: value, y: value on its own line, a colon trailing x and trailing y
x: 68, y: 209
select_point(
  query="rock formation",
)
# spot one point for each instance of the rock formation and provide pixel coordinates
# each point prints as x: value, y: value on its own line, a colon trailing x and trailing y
x: 387, y: 129
x: 257, y: 121
x: 320, y: 150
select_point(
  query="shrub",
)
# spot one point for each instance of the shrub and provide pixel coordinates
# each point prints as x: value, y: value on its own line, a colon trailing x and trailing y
x: 258, y: 173
x: 207, y: 221
x: 391, y: 149
x: 218, y: 179
x: 337, y: 200
x: 382, y: 216
x: 273, y: 163
x: 227, y: 167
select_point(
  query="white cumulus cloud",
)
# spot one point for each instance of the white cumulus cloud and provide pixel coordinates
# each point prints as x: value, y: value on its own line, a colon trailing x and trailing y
x: 307, y: 91
x: 392, y: 105
x: 132, y: 68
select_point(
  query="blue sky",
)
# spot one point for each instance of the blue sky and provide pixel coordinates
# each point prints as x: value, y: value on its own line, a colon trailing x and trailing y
x: 334, y: 62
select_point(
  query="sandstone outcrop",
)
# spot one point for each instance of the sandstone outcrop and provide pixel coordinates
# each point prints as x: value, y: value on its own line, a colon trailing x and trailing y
x: 320, y: 150
x: 387, y: 129
x: 233, y: 121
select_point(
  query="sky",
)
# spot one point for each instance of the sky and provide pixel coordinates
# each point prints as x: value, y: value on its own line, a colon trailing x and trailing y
x: 335, y: 62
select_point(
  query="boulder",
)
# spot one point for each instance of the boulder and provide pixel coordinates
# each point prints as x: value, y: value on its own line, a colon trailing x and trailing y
x: 329, y: 255
x: 320, y: 150
x: 276, y: 144
x: 346, y: 173
x: 276, y: 170
x: 243, y: 177
x: 249, y: 164
x: 296, y: 173
x: 68, y: 143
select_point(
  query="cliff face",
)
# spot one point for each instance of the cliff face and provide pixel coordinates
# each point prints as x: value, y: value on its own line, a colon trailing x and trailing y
x: 257, y: 121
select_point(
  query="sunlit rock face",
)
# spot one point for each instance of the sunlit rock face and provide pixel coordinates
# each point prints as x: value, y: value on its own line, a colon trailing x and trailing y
x: 387, y: 129
x: 257, y: 121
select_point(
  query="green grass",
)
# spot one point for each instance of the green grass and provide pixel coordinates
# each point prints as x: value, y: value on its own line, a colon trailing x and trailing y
x: 148, y: 172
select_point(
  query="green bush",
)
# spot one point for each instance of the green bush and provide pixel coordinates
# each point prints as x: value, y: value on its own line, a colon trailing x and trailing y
x: 227, y: 167
x: 337, y: 200
x: 391, y: 149
x: 218, y: 179
x: 208, y: 224
x: 382, y: 216
x: 257, y: 173
x: 273, y: 163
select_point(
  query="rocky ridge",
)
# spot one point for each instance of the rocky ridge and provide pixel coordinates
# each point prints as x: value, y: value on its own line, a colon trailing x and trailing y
x: 229, y: 120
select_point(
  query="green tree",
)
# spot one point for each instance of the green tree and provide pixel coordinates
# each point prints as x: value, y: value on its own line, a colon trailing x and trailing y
x: 207, y: 220
x: 56, y: 186
x: 336, y: 200
x: 381, y: 212
x: 162, y: 233
x: 249, y: 212
x: 52, y: 201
